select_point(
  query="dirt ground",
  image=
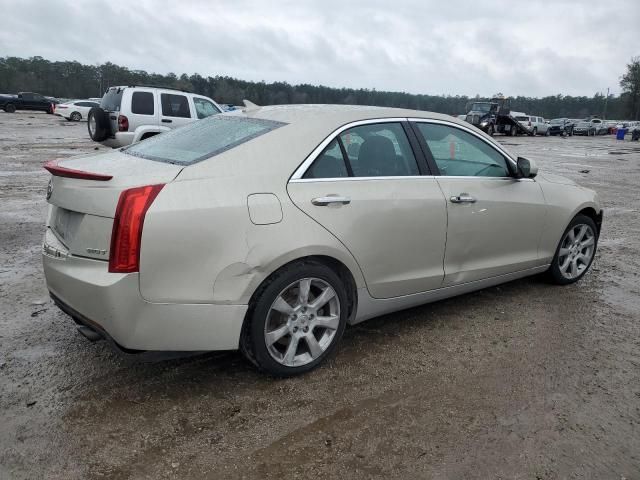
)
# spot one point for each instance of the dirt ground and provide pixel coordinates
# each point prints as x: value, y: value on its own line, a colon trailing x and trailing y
x: 522, y: 381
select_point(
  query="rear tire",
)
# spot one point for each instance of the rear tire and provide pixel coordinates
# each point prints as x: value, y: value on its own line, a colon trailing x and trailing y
x: 76, y: 116
x: 9, y: 108
x: 98, y: 124
x: 575, y: 252
x: 535, y: 131
x: 283, y: 333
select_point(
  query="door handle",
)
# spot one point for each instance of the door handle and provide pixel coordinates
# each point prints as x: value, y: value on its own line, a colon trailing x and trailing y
x: 166, y: 120
x: 324, y: 201
x: 462, y: 198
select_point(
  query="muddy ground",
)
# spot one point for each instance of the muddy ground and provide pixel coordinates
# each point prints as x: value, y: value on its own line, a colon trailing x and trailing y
x: 521, y: 381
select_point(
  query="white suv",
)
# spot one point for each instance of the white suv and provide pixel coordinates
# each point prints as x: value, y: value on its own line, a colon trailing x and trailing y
x: 128, y: 114
x: 534, y: 125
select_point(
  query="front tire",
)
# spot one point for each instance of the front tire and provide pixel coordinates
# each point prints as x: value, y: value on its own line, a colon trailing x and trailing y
x: 490, y: 130
x: 76, y: 116
x: 296, y: 319
x: 575, y: 252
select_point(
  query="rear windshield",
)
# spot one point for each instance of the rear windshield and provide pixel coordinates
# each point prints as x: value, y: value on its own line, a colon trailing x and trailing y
x: 202, y: 139
x: 523, y: 119
x: 112, y: 99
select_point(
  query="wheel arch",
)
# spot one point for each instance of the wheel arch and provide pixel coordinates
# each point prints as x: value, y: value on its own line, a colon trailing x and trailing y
x: 592, y: 214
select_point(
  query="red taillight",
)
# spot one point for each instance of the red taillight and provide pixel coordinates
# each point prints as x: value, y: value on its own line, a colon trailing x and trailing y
x: 55, y: 169
x: 126, y: 236
x: 123, y: 123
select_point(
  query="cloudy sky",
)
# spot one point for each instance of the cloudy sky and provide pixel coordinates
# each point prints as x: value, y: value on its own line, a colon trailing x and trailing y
x: 467, y: 47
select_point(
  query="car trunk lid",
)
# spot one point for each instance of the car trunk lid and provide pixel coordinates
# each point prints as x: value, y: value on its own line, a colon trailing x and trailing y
x: 84, y: 193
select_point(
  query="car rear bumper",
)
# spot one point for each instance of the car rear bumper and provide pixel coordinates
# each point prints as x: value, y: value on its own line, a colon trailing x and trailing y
x: 111, y: 304
x: 120, y: 139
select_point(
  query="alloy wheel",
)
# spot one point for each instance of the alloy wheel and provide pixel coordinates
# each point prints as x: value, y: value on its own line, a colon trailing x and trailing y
x: 576, y: 251
x: 302, y: 322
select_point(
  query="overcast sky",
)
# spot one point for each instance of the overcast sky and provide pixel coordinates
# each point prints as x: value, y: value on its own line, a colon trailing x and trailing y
x: 533, y: 48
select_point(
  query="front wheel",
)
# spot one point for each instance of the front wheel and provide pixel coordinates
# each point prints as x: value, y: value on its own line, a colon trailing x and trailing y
x: 575, y: 251
x: 76, y: 116
x: 296, y: 319
x: 490, y: 130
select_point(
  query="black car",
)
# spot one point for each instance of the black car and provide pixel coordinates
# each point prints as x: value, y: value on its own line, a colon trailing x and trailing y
x: 561, y: 126
x: 26, y: 101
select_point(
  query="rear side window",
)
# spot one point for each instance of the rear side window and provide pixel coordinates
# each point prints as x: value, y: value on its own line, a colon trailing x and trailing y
x: 112, y: 99
x: 142, y: 103
x: 329, y: 164
x: 198, y: 141
x: 175, y: 105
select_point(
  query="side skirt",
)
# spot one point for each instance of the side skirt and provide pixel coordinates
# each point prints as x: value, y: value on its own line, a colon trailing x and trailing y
x: 369, y: 307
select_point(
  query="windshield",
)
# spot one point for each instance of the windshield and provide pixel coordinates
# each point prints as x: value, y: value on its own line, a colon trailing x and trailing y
x: 584, y: 124
x: 202, y: 139
x: 112, y: 99
x: 557, y: 121
x: 522, y: 119
x: 481, y: 107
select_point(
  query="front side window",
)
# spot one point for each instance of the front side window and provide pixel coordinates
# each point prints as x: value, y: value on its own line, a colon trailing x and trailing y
x: 459, y: 153
x: 175, y: 105
x: 142, y: 103
x: 204, y: 108
x: 198, y: 141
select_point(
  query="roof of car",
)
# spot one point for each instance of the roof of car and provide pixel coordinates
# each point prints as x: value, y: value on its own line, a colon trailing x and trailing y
x: 329, y: 116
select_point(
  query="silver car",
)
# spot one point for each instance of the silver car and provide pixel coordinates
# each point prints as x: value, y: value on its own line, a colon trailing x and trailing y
x: 272, y: 229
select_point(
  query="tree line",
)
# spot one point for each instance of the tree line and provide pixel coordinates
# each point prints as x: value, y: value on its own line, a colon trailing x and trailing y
x: 71, y: 79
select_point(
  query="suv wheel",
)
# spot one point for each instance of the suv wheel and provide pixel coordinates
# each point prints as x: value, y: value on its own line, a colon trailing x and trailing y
x: 98, y: 124
x: 296, y: 320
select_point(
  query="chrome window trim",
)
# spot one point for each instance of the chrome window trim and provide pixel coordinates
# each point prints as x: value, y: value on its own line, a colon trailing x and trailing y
x: 301, y: 170
x: 304, y: 166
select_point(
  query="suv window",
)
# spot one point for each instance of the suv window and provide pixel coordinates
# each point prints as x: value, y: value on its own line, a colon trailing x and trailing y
x: 142, y: 103
x: 329, y: 164
x: 379, y: 150
x: 204, y: 108
x: 175, y: 105
x: 198, y: 141
x: 458, y: 153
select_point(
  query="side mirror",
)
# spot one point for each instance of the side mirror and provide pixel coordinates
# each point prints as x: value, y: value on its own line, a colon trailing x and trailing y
x: 526, y: 168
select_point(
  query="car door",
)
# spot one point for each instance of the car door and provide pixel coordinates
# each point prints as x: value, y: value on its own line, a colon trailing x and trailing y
x: 494, y: 220
x: 175, y: 109
x: 27, y: 101
x: 366, y: 185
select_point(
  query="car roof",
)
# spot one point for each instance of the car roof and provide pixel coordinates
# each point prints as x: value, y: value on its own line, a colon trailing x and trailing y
x: 328, y: 117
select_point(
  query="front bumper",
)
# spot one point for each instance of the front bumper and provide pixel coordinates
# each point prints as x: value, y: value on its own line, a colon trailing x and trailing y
x: 111, y: 303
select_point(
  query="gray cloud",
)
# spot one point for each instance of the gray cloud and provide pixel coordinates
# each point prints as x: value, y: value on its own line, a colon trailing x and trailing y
x: 428, y: 46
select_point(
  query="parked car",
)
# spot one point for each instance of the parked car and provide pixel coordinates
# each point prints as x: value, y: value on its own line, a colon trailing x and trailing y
x: 271, y: 230
x: 561, y: 126
x: 128, y: 114
x: 584, y: 128
x: 26, y: 101
x: 600, y: 126
x: 534, y: 125
x: 75, y: 110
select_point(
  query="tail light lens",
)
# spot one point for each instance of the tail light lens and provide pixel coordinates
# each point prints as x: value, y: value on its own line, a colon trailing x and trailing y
x: 123, y: 123
x: 126, y: 237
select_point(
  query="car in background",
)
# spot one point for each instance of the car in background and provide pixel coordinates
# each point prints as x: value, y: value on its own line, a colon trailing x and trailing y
x: 27, y: 101
x: 237, y: 231
x: 600, y: 126
x: 128, y: 114
x: 561, y: 126
x: 525, y: 122
x: 75, y: 110
x: 585, y: 128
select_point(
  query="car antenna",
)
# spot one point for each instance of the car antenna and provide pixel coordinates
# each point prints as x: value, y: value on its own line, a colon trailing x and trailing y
x: 250, y: 106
